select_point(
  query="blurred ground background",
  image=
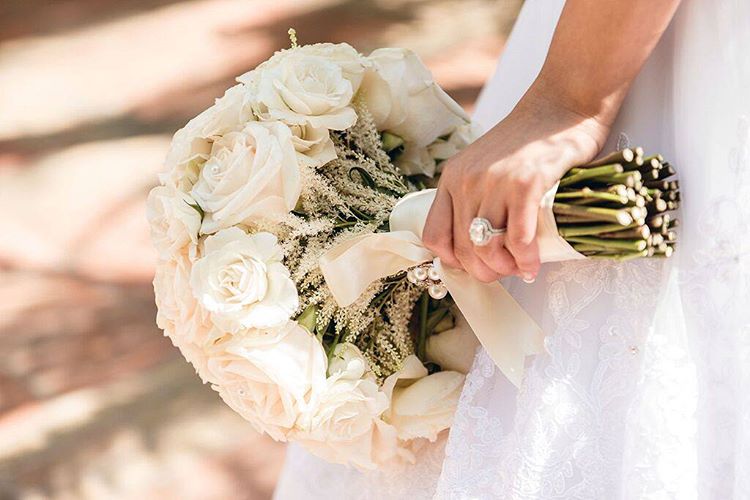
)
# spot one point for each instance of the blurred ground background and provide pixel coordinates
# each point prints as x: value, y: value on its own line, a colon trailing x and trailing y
x: 94, y: 402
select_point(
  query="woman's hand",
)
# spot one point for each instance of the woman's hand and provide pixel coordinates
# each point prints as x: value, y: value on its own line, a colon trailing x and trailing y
x: 502, y: 177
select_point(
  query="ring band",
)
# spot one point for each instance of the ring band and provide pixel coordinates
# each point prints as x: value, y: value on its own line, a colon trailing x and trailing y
x: 481, y: 231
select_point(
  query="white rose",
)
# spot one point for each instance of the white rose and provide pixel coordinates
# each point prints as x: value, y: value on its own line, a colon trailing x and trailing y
x: 403, y: 98
x: 300, y: 88
x: 266, y: 375
x: 191, y: 144
x: 250, y: 173
x: 351, y: 62
x: 313, y: 145
x: 421, y: 405
x: 174, y: 222
x: 348, y: 362
x: 183, y: 320
x: 241, y: 280
x: 462, y: 136
x: 342, y: 424
x: 453, y: 349
x: 415, y: 160
x: 419, y: 160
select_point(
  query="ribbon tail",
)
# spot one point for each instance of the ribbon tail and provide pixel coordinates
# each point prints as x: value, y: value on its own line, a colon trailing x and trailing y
x: 503, y: 328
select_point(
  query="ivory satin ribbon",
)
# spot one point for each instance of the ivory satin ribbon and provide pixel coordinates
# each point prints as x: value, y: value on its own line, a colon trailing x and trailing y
x: 506, y: 331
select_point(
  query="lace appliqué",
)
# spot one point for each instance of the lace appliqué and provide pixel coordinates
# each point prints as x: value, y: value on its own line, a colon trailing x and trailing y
x: 562, y: 441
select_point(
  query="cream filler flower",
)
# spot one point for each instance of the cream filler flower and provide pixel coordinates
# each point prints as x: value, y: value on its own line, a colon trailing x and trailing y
x: 242, y: 281
x: 252, y: 173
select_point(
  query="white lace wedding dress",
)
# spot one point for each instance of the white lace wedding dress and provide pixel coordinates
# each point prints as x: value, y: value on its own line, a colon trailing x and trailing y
x: 644, y: 389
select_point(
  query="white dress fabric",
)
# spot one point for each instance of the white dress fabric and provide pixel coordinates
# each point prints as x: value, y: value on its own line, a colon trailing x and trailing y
x: 643, y: 391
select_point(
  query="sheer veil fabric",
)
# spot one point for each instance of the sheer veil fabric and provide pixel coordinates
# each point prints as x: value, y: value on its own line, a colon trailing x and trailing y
x: 642, y: 391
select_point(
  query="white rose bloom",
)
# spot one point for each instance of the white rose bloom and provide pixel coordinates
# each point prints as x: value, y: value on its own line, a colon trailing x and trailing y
x: 191, y: 144
x: 422, y: 405
x: 416, y: 160
x: 174, y: 222
x: 342, y: 424
x: 442, y: 149
x: 250, y: 173
x: 403, y: 98
x: 453, y: 349
x: 313, y: 145
x: 351, y: 62
x: 183, y: 320
x: 301, y: 88
x: 348, y: 362
x: 241, y: 280
x: 266, y: 375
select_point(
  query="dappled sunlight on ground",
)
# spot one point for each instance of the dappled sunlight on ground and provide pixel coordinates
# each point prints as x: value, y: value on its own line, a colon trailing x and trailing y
x: 94, y: 401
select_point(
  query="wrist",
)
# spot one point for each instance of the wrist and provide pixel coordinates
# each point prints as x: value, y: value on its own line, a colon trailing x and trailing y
x: 575, y: 137
x: 591, y: 111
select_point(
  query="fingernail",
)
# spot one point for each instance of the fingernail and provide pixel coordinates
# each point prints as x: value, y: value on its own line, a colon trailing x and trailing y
x: 528, y: 278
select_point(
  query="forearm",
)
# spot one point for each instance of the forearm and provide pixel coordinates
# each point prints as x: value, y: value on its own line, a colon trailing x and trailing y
x: 598, y: 48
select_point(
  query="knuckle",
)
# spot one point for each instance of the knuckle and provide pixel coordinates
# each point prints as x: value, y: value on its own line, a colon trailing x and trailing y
x: 501, y: 262
x: 463, y: 254
x: 505, y: 268
x: 521, y: 237
x: 525, y: 180
x: 484, y: 276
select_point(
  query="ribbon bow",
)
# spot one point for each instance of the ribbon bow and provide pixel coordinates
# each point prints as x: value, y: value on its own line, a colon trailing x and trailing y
x: 506, y: 331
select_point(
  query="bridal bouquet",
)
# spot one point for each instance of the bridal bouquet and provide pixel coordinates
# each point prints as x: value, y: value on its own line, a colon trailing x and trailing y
x: 291, y: 273
x: 312, y: 148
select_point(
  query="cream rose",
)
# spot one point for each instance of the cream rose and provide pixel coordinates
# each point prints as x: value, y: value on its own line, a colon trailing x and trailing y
x: 191, y: 145
x: 299, y: 87
x: 453, y: 349
x: 314, y: 146
x: 250, y: 173
x: 174, y: 222
x: 422, y: 405
x: 241, y: 280
x: 266, y: 375
x: 342, y: 424
x: 403, y: 98
x: 183, y: 320
x: 462, y: 136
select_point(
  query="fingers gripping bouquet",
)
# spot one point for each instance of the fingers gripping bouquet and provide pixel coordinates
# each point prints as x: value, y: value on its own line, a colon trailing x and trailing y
x: 313, y: 148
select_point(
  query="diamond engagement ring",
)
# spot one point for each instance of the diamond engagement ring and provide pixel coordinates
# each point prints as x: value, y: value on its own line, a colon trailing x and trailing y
x: 481, y: 231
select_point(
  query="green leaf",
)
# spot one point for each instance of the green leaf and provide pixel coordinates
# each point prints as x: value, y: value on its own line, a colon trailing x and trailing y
x: 391, y: 141
x: 197, y: 208
x: 308, y: 319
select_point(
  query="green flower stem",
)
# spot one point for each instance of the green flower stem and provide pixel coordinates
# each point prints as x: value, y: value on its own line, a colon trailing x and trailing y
x: 626, y: 155
x: 623, y: 256
x: 621, y: 217
x: 634, y: 232
x: 590, y: 193
x: 594, y: 229
x: 614, y: 244
x: 590, y: 173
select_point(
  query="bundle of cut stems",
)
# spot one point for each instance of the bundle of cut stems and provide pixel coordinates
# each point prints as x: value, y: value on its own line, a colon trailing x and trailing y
x: 617, y: 207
